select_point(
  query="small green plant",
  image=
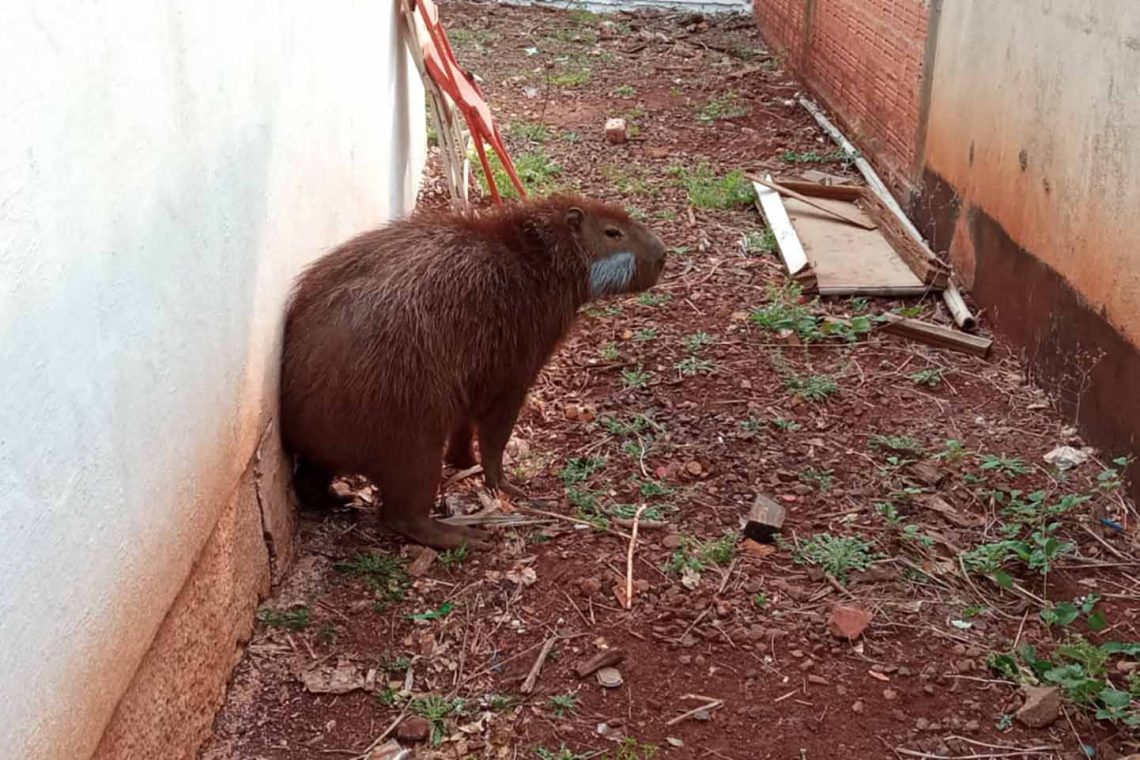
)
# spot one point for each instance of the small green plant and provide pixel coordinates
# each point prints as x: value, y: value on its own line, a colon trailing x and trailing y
x: 889, y: 512
x: 635, y: 378
x: 651, y: 298
x: 563, y: 704
x: 1004, y: 722
x: 438, y: 613
x: 563, y: 753
x: 628, y: 511
x: 1039, y: 550
x: 631, y: 749
x: 901, y: 444
x: 437, y: 711
x: 909, y: 312
x: 579, y: 470
x: 455, y: 557
x: 636, y: 425
x: 812, y: 388
x: 789, y: 426
x: 695, y: 555
x: 1009, y: 466
x: 609, y: 352
x: 726, y: 106
x: 570, y: 78
x: 398, y: 665
x: 860, y: 304
x: 650, y: 489
x: 821, y: 480
x: 760, y: 601
x: 536, y: 169
x: 718, y: 552
x: 836, y: 555
x: 501, y: 702
x: 707, y: 190
x: 953, y: 452
x: 914, y: 534
x: 571, y: 136
x: 327, y: 634
x: 759, y: 242
x: 382, y: 573
x: 1064, y: 614
x: 625, y: 91
x: 645, y: 334
x: 696, y: 341
x: 693, y: 365
x: 529, y: 130
x: 293, y: 619
x: 814, y: 157
x: 931, y: 378
x: 1110, y: 479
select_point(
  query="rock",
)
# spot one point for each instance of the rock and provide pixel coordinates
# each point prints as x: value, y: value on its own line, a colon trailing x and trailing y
x: 389, y: 750
x: 589, y: 585
x: 1042, y: 706
x: 857, y: 707
x: 422, y: 562
x: 413, y: 729
x: 342, y: 679
x: 610, y: 678
x: 616, y: 131
x: 848, y: 622
x: 922, y: 724
x: 890, y: 695
x: 672, y: 541
x: 972, y: 726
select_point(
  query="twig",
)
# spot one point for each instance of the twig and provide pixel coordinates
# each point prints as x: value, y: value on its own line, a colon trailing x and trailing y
x: 988, y: 756
x: 629, y: 558
x: 575, y: 520
x: 536, y: 668
x: 710, y: 705
x: 377, y: 741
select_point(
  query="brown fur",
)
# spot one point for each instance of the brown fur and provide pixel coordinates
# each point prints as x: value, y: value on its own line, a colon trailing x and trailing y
x: 432, y: 328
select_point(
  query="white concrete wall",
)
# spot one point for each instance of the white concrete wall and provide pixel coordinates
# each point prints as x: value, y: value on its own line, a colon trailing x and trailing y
x: 165, y: 170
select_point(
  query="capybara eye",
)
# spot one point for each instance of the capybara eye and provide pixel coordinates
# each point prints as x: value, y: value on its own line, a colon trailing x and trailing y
x: 613, y: 232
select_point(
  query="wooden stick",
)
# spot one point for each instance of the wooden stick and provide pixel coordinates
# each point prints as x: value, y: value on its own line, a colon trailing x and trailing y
x: 629, y: 558
x: 782, y: 190
x: 711, y: 705
x: 574, y: 520
x: 536, y: 668
x: 776, y: 216
x: 951, y: 296
x: 934, y: 335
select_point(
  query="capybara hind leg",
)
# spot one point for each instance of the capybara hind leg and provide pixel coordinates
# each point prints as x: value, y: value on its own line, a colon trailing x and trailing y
x: 494, y: 431
x: 459, y: 452
x: 408, y: 487
x: 312, y: 484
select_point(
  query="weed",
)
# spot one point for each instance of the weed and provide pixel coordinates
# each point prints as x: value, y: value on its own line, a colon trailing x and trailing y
x: 455, y: 557
x: 814, y: 157
x: 909, y: 312
x: 902, y: 444
x: 1040, y: 551
x: 760, y: 601
x: 1004, y: 722
x: 696, y: 341
x: 819, y: 479
x: 718, y: 552
x: 382, y: 573
x: 787, y: 312
x: 528, y: 130
x: 649, y: 298
x: 436, y: 710
x: 582, y: 16
x: 625, y: 91
x: 626, y: 180
x: 645, y: 334
x: 650, y: 489
x: 610, y: 352
x: 636, y: 425
x: 693, y: 365
x: 1109, y: 479
x: 631, y: 749
x: 563, y: 753
x: 579, y: 470
x: 953, y: 452
x: 571, y: 136
x: 914, y: 534
x: 727, y: 106
x: 501, y: 702
x: 477, y: 37
x: 1064, y: 614
x: 707, y: 190
x: 837, y: 555
x: 889, y: 512
x: 629, y: 511
x: 388, y: 696
x: 294, y: 619
x: 813, y: 388
x: 636, y: 213
x: 570, y: 78
x: 635, y: 378
x: 860, y: 304
x: 537, y: 171
x: 563, y: 704
x: 327, y: 634
x: 695, y: 555
x: 666, y: 214
x: 398, y: 665
x: 932, y: 378
x: 759, y: 242
x: 1009, y: 466
x: 789, y: 426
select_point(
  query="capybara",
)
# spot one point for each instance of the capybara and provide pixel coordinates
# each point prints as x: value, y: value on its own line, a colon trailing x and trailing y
x: 420, y: 334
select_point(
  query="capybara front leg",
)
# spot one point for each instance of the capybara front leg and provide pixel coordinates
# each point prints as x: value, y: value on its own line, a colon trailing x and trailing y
x: 312, y: 484
x: 494, y: 431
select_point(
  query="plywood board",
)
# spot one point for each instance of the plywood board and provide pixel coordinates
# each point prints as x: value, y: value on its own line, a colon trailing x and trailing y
x: 846, y: 258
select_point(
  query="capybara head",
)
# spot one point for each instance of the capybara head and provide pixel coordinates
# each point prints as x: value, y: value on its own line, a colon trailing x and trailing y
x: 624, y: 256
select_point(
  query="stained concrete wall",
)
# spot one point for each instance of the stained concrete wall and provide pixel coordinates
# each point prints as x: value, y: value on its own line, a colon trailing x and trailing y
x: 1011, y: 132
x: 166, y: 169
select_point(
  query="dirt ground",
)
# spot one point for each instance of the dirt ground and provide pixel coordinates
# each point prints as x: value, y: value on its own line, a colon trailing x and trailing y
x: 901, y: 467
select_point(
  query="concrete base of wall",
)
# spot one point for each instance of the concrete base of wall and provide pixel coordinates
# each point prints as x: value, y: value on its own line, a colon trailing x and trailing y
x: 169, y: 708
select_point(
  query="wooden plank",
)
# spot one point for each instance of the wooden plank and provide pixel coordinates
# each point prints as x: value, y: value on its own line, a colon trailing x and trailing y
x: 765, y: 520
x: 776, y: 216
x: 834, y: 211
x: 936, y: 335
x: 850, y: 193
x: 950, y: 295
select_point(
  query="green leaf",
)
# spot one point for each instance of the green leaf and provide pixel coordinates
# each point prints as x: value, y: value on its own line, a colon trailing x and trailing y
x: 1097, y: 622
x: 1003, y: 579
x: 443, y: 611
x: 1114, y: 697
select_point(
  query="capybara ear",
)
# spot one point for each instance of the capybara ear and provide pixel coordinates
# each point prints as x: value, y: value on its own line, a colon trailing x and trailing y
x: 574, y: 217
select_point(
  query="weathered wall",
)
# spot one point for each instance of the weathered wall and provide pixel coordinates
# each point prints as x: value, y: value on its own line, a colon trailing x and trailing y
x: 165, y: 170
x: 1032, y: 181
x: 1012, y: 133
x: 866, y: 60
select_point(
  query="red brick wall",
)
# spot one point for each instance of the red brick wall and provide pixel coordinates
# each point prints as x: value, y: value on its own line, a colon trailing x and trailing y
x: 864, y: 58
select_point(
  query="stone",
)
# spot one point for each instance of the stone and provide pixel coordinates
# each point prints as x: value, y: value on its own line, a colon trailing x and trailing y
x: 413, y: 729
x: 610, y: 678
x: 590, y: 585
x: 1042, y: 706
x: 672, y: 541
x: 890, y: 695
x: 389, y: 750
x: 616, y: 131
x: 857, y: 707
x: 848, y: 622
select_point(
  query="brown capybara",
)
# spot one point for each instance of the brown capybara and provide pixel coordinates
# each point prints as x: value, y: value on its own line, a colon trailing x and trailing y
x: 431, y: 329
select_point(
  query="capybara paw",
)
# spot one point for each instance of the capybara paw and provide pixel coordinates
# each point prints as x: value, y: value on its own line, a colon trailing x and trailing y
x: 439, y: 535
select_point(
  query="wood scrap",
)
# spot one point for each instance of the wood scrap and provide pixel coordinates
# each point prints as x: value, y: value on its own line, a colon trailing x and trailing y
x: 606, y: 658
x: 787, y: 242
x: 790, y: 192
x: 936, y: 335
x: 764, y: 520
x: 535, y: 669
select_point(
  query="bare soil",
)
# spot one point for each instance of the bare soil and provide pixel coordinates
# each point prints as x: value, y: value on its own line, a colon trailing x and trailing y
x: 749, y: 628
